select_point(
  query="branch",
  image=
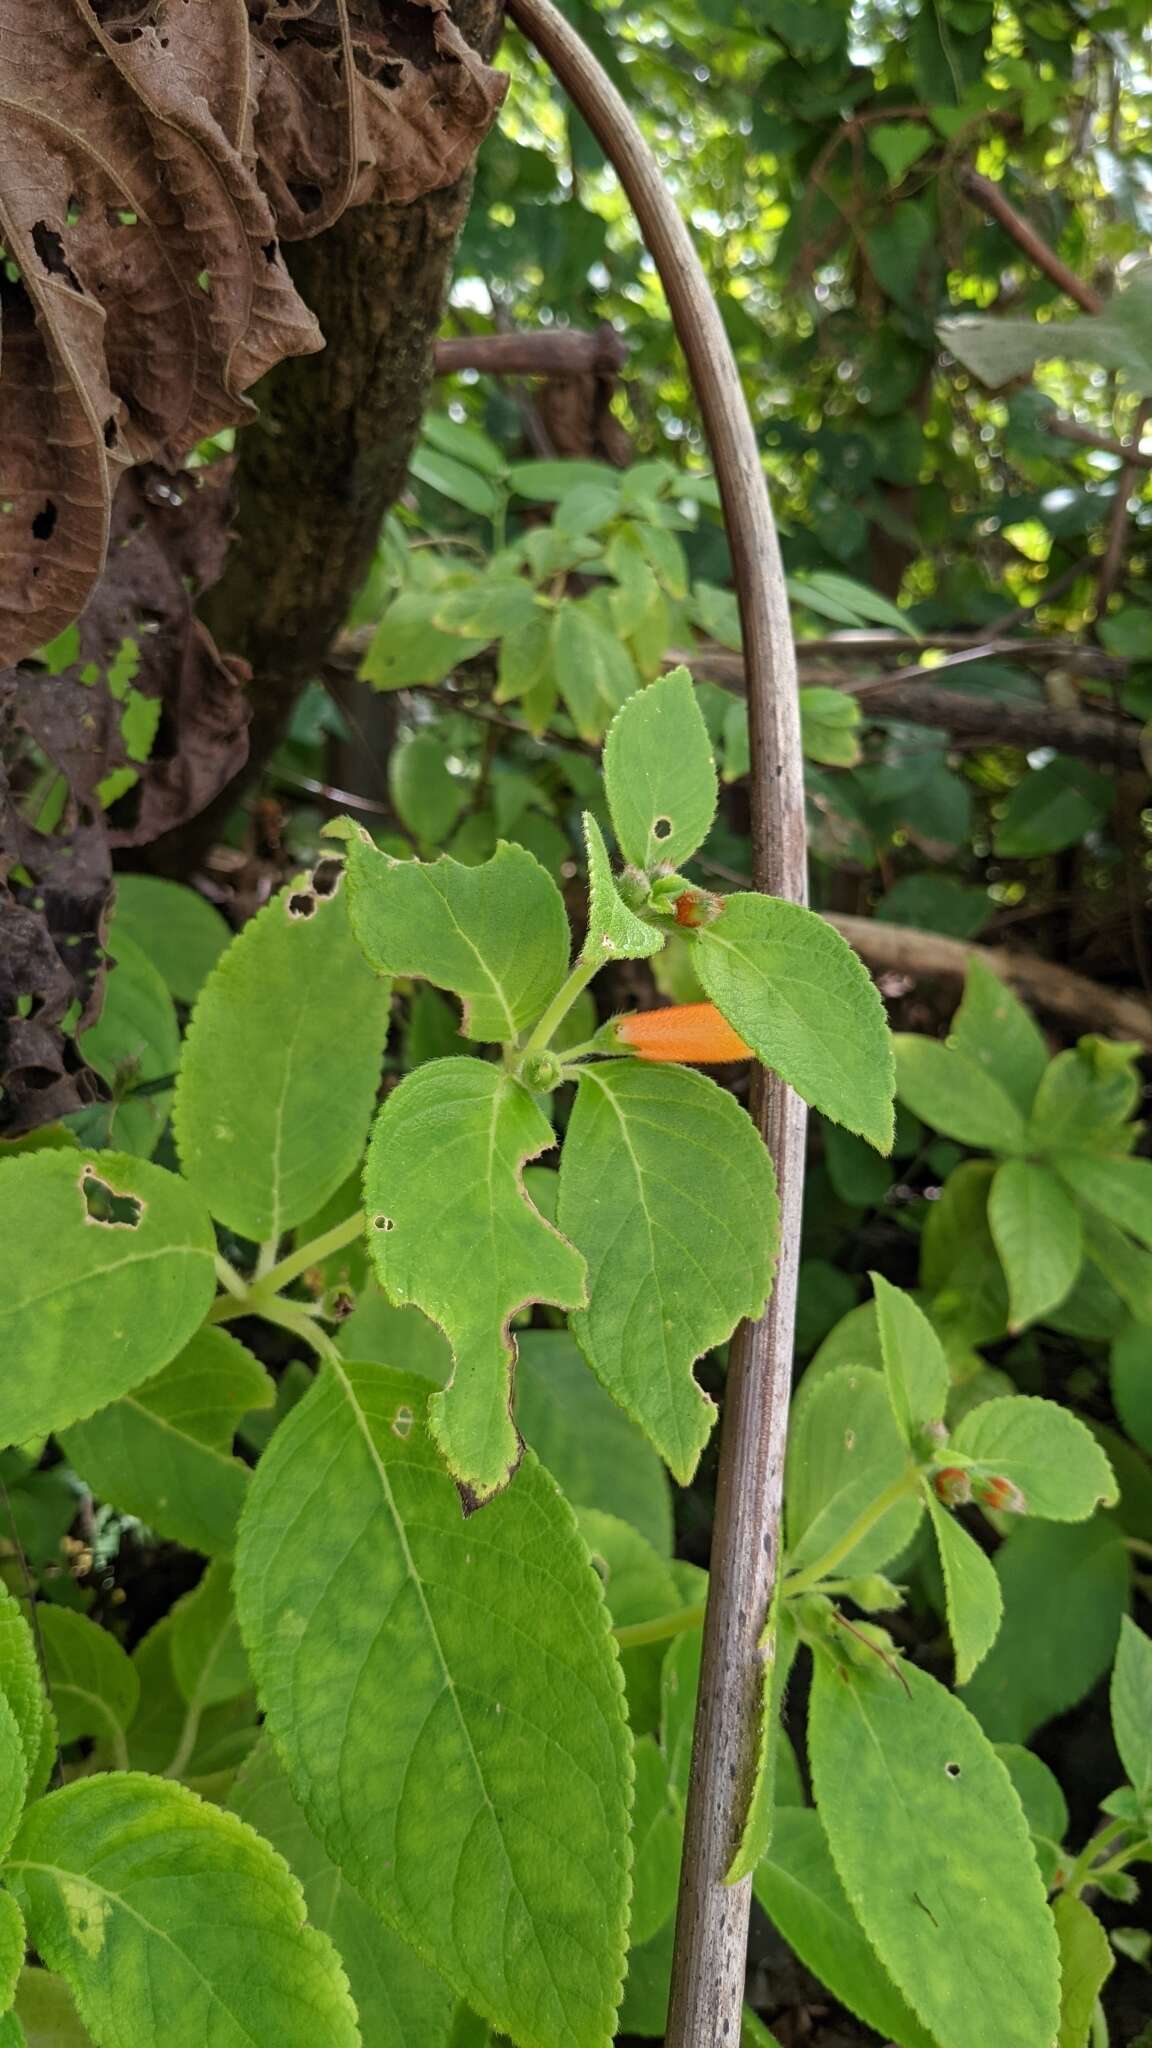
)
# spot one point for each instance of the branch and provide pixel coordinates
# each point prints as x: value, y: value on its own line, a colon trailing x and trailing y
x: 712, y: 1920
x: 1128, y: 451
x: 561, y: 352
x: 1086, y: 1005
x: 994, y: 200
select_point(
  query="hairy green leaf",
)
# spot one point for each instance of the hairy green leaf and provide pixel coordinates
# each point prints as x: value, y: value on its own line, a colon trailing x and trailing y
x: 934, y: 1854
x: 955, y: 1095
x: 614, y: 931
x: 106, y: 1269
x: 844, y: 1448
x: 971, y: 1590
x: 13, y: 1773
x: 355, y: 1565
x: 449, y: 1145
x: 13, y: 1939
x: 669, y: 1193
x: 1086, y: 1962
x: 1045, y: 1450
x: 164, y: 1452
x: 993, y: 1028
x: 659, y: 776
x: 173, y: 1922
x: 281, y: 1063
x: 92, y: 1682
x: 1037, y: 1233
x: 799, y: 996
x: 496, y: 935
x: 915, y: 1368
x: 1131, y: 1704
x: 22, y: 1687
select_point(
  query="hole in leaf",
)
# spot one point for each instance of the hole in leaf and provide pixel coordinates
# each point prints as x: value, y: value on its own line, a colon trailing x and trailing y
x: 309, y: 198
x: 382, y: 1223
x: 50, y: 250
x: 661, y: 827
x: 951, y: 1770
x: 402, y: 1422
x: 326, y: 877
x: 44, y: 524
x: 111, y: 432
x: 270, y: 251
x: 303, y: 904
x: 104, y: 1205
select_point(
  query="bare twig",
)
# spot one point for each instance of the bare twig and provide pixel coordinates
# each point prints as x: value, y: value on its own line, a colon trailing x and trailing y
x: 712, y: 1922
x: 1128, y: 451
x: 994, y: 200
x: 561, y: 352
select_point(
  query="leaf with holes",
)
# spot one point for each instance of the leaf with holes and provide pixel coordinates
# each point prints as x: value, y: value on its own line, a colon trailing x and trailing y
x: 659, y: 775
x: 495, y: 935
x: 92, y: 1683
x: 614, y: 931
x: 799, y: 996
x: 164, y: 1452
x: 171, y: 1921
x: 449, y: 1145
x: 971, y: 1591
x: 354, y: 1564
x: 1038, y: 1235
x: 1045, y: 1451
x: 281, y: 1062
x: 401, y: 2003
x: 93, y: 1247
x: 844, y: 1449
x: 668, y: 1191
x: 933, y: 1851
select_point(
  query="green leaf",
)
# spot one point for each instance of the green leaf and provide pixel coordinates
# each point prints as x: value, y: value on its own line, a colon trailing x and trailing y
x: 844, y: 1448
x: 93, y: 1246
x: 92, y: 1682
x: 281, y: 1063
x: 830, y: 723
x: 1038, y: 1235
x: 1120, y: 1189
x: 594, y: 671
x: 45, y: 2012
x: 428, y: 799
x: 657, y: 1834
x: 1085, y: 1098
x: 164, y: 1452
x: 449, y: 1145
x: 456, y: 481
x: 13, y: 1939
x: 136, y: 1038
x: 598, y: 1457
x: 998, y: 350
x: 1044, y: 1450
x: 13, y: 1773
x: 668, y: 1191
x: 467, y: 444
x: 1052, y: 808
x: 798, y: 1888
x: 971, y: 1590
x: 638, y: 1586
x: 993, y: 1029
x: 900, y: 144
x: 936, y: 903
x: 356, y: 1564
x: 659, y: 775
x: 1131, y: 1699
x: 209, y: 1662
x: 1065, y: 1589
x: 614, y: 931
x: 21, y: 1686
x: 408, y: 648
x: 173, y: 1737
x: 799, y: 996
x: 954, y: 1095
x: 1038, y: 1790
x: 179, y: 931
x: 525, y: 656
x: 777, y: 1646
x: 400, y: 2002
x: 548, y: 482
x: 934, y: 1854
x: 1086, y: 1962
x: 857, y: 604
x: 173, y: 1922
x: 1126, y: 1266
x: 915, y: 1367
x: 1132, y: 1382
x: 400, y: 1337
x: 496, y: 935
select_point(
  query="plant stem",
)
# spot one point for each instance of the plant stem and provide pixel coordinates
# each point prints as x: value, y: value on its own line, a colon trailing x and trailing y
x: 313, y: 1253
x: 1081, y: 1870
x: 660, y: 1630
x: 291, y: 1315
x: 801, y: 1582
x: 1137, y: 1546
x: 559, y: 1007
x: 230, y: 1278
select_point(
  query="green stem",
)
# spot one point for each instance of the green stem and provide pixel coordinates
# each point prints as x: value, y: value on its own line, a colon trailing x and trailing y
x: 1135, y: 1544
x: 291, y: 1315
x: 661, y: 1630
x: 1099, y: 2036
x: 559, y: 1007
x: 277, y: 1278
x: 801, y: 1582
x: 1081, y: 1869
x: 229, y: 1277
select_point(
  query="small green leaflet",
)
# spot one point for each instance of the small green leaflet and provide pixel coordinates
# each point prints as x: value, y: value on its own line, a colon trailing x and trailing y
x: 164, y: 1452
x: 1043, y: 1449
x: 993, y: 1028
x: 915, y: 1367
x: 282, y: 1062
x: 799, y: 996
x: 173, y: 1922
x: 933, y: 1851
x: 614, y: 931
x: 1131, y: 1700
x: 496, y: 935
x: 355, y: 1564
x: 453, y: 1232
x: 93, y: 1247
x: 971, y: 1590
x: 659, y: 775
x: 427, y: 798
x: 1039, y: 1238
x: 1086, y: 1962
x: 593, y: 669
x: 954, y: 1095
x: 92, y: 1682
x: 669, y: 1193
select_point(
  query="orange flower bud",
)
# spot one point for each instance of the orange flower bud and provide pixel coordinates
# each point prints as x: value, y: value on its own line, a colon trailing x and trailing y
x: 692, y: 1032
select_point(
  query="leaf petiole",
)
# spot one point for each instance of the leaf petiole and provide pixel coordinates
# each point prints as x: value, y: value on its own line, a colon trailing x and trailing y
x: 545, y: 1029
x: 661, y: 1629
x: 896, y: 1491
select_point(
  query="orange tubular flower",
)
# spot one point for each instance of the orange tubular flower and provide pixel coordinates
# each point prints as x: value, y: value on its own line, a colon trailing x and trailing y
x: 694, y: 1033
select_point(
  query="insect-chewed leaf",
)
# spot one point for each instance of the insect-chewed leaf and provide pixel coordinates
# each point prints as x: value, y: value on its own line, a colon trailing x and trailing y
x: 669, y: 1192
x: 659, y: 775
x: 164, y: 1452
x: 400, y: 2001
x: 799, y: 996
x: 453, y: 1232
x: 172, y: 1921
x: 614, y: 931
x: 281, y: 1063
x: 496, y: 935
x: 106, y: 1269
x: 933, y: 1851
x: 419, y: 1671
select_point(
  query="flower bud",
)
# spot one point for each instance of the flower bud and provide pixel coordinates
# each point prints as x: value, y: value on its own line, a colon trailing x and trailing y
x: 1003, y: 1495
x: 952, y: 1485
x: 692, y: 1032
x: 874, y: 1594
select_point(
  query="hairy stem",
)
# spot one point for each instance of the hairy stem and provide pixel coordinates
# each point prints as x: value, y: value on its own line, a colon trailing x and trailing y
x: 898, y: 1490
